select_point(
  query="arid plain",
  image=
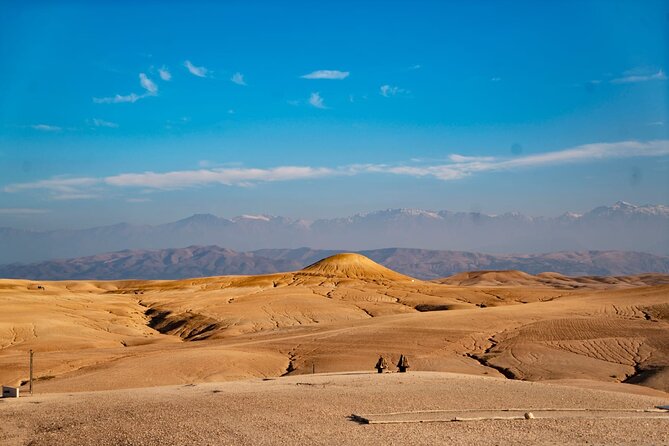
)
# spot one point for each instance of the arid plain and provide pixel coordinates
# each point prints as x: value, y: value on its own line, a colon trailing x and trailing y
x: 155, y: 354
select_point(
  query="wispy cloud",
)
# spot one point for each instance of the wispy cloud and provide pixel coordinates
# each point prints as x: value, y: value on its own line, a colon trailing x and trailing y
x: 226, y: 176
x: 463, y: 166
x: 87, y: 187
x: 316, y: 100
x: 118, y: 99
x: 46, y: 128
x: 415, y: 67
x: 457, y: 167
x: 194, y: 70
x: 22, y: 211
x: 102, y: 123
x: 165, y: 73
x: 468, y: 159
x: 495, y: 79
x: 60, y: 188
x: 326, y: 74
x: 633, y: 77
x: 238, y: 78
x: 389, y: 90
x: 148, y: 84
x: 56, y: 184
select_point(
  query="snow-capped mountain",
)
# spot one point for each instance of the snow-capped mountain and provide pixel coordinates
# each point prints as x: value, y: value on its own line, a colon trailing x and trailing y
x: 621, y: 226
x: 622, y: 208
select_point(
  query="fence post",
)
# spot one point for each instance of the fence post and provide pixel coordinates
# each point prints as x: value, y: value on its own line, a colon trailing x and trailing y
x: 31, y: 372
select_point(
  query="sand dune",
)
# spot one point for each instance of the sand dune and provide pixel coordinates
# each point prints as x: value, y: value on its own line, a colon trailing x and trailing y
x: 338, y: 314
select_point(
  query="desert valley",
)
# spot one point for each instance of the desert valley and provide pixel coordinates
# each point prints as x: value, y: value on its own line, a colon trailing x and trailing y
x: 334, y: 223
x: 602, y: 336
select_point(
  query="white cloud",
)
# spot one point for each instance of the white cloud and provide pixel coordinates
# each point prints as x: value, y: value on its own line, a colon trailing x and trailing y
x: 466, y: 159
x: 165, y: 73
x: 87, y: 187
x: 495, y: 79
x: 238, y: 78
x: 458, y: 167
x: 225, y: 176
x: 117, y: 99
x: 137, y: 200
x: 639, y: 77
x: 388, y: 90
x: 590, y: 152
x: 196, y: 71
x: 56, y: 184
x: 316, y: 100
x: 46, y: 128
x: 326, y: 74
x: 443, y: 172
x: 102, y: 123
x: 463, y: 166
x: 60, y: 188
x: 148, y: 84
x: 415, y: 67
x: 22, y: 211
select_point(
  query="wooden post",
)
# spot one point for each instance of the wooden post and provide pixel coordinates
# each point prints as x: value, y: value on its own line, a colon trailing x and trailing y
x: 31, y: 372
x: 313, y: 368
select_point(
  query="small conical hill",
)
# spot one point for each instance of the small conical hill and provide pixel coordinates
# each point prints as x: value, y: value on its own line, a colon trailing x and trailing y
x: 353, y: 266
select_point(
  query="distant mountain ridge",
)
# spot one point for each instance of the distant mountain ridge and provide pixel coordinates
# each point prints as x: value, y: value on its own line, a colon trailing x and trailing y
x: 202, y: 261
x: 622, y: 226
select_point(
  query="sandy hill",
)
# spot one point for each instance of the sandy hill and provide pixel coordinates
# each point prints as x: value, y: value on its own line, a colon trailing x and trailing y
x: 551, y: 279
x: 353, y: 266
x: 491, y: 278
x: 337, y: 314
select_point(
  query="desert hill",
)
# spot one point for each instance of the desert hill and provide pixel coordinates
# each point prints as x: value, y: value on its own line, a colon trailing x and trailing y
x: 338, y: 314
x: 353, y: 266
x: 553, y: 280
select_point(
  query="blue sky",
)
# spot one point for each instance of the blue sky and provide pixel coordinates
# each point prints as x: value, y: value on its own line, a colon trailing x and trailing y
x: 149, y: 112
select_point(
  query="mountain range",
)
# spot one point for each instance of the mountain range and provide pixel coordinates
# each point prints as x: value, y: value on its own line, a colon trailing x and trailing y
x: 622, y: 226
x: 201, y: 261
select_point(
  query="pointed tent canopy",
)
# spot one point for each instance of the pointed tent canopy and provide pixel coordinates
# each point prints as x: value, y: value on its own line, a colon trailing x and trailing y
x: 381, y: 363
x: 403, y: 362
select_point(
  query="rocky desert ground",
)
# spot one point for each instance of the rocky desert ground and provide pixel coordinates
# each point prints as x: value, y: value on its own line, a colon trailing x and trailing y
x: 229, y: 360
